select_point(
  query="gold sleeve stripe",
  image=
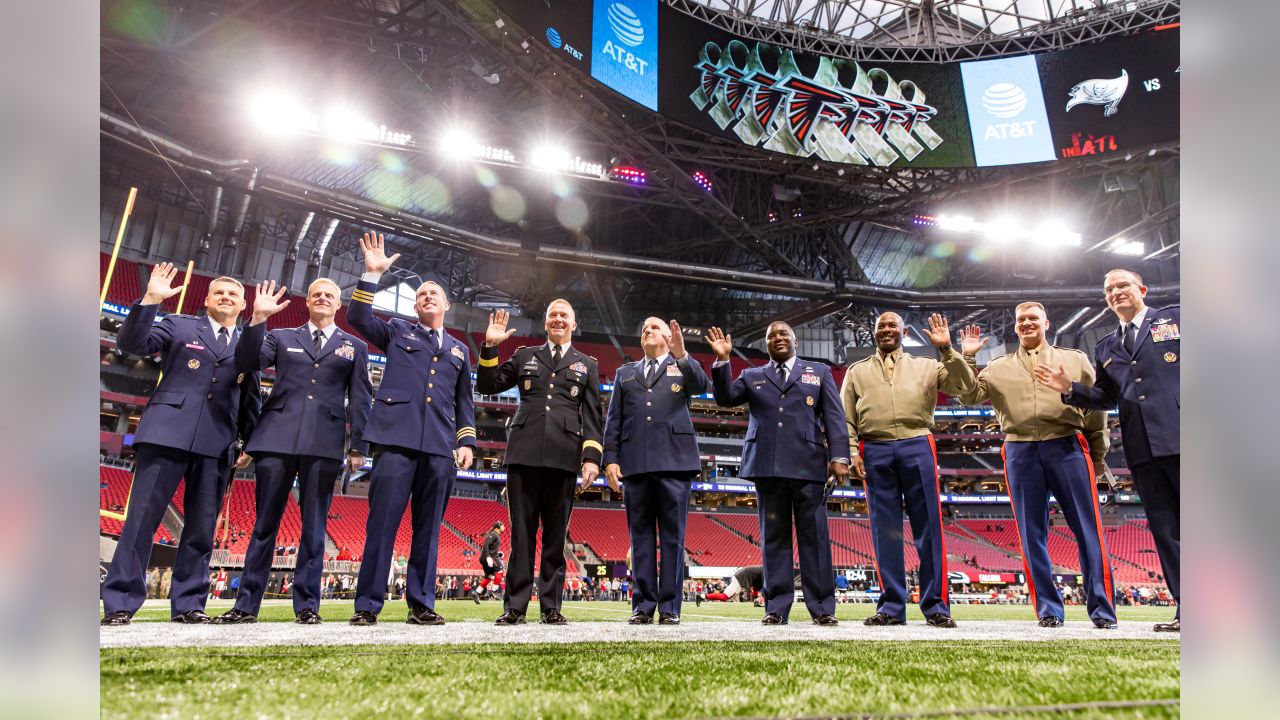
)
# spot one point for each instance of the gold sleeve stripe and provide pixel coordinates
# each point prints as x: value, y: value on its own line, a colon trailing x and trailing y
x: 466, y: 432
x: 592, y: 444
x: 363, y: 296
x: 488, y: 362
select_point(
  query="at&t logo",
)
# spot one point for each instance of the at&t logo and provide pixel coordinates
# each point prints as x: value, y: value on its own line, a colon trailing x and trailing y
x: 554, y: 39
x: 1005, y: 101
x: 629, y: 32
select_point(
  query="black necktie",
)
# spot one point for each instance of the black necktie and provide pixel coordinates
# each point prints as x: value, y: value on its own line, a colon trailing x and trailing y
x: 782, y: 372
x: 1128, y: 338
x: 555, y: 356
x: 435, y: 343
x: 319, y: 340
x: 222, y: 339
x: 648, y: 374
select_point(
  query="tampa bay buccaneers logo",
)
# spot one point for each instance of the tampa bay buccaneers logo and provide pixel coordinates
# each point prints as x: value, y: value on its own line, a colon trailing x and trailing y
x: 869, y: 119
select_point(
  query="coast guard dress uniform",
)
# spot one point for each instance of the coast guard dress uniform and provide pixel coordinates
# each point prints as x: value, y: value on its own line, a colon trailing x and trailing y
x: 1051, y: 447
x: 556, y: 428
x: 796, y: 428
x: 207, y: 398
x: 889, y: 401
x: 423, y: 411
x: 1141, y: 374
x: 321, y: 384
x: 648, y: 433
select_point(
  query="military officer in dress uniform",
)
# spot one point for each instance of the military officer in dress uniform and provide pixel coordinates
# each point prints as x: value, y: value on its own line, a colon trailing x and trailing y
x: 1049, y: 447
x: 322, y: 382
x: 205, y: 401
x: 421, y: 430
x: 793, y: 407
x: 649, y: 444
x: 554, y: 435
x: 889, y: 398
x: 1138, y: 369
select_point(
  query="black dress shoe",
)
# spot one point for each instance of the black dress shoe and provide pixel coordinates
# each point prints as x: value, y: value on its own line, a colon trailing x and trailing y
x: 363, y: 617
x: 773, y: 619
x: 192, y: 617
x: 510, y: 617
x: 1104, y: 624
x: 552, y: 617
x: 235, y: 617
x: 420, y: 615
x: 308, y: 617
x: 828, y: 620
x: 639, y: 618
x: 881, y: 619
x: 668, y: 619
x: 119, y: 617
x: 1174, y: 626
x: 941, y: 620
x: 1050, y: 621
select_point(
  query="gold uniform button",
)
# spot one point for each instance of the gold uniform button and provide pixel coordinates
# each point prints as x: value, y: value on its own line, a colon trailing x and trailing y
x: 547, y: 407
x: 431, y: 385
x: 649, y: 390
x: 433, y: 371
x: 783, y: 396
x: 311, y: 397
x: 210, y: 397
x: 648, y: 404
x: 313, y: 381
x: 1142, y: 397
x: 316, y: 365
x: 779, y: 424
x: 648, y: 419
x: 428, y: 398
x: 1133, y: 362
x: 213, y: 380
x: 552, y: 385
x: 1137, y: 380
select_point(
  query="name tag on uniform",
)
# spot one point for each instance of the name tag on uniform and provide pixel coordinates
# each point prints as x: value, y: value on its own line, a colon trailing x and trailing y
x: 1108, y: 362
x: 194, y: 346
x: 294, y: 349
x: 629, y: 378
x: 1162, y: 333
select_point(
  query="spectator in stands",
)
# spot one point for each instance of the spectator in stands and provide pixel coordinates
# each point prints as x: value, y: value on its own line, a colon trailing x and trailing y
x: 793, y: 406
x: 490, y: 559
x: 555, y: 433
x: 889, y: 398
x: 1049, y: 447
x: 650, y: 445
x: 322, y: 383
x: 422, y: 430
x: 1138, y: 369
x: 208, y: 398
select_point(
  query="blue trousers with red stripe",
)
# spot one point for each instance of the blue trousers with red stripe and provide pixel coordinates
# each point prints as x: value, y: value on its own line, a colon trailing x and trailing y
x: 1062, y: 467
x: 901, y: 471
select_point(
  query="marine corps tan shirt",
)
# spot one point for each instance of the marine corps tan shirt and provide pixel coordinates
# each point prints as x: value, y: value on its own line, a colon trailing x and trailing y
x: 1028, y: 410
x: 880, y: 405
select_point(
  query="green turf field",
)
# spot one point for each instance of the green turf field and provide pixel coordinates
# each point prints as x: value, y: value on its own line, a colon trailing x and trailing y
x: 643, y: 679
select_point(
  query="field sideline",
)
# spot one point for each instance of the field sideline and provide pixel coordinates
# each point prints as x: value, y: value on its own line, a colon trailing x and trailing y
x: 792, y: 675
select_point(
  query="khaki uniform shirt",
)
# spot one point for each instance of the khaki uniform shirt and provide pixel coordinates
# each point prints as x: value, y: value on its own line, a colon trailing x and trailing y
x: 878, y: 408
x: 1028, y: 410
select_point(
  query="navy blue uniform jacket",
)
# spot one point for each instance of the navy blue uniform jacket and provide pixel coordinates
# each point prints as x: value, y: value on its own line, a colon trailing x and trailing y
x: 648, y: 428
x: 788, y: 425
x: 1145, y: 386
x: 307, y: 412
x: 424, y: 402
x: 198, y: 406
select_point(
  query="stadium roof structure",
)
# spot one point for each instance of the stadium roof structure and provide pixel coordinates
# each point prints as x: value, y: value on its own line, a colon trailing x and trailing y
x: 815, y: 242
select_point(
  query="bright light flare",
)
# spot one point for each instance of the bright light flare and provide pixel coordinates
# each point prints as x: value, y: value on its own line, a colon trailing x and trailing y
x: 279, y: 113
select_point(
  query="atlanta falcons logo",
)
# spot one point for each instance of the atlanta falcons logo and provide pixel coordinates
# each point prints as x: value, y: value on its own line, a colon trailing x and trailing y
x: 1100, y: 92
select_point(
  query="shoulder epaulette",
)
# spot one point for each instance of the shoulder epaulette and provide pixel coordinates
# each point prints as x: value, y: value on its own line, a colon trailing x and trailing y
x: 865, y: 359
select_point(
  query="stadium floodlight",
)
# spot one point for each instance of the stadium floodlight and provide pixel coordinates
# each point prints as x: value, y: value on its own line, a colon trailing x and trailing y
x: 345, y: 124
x: 548, y: 157
x: 956, y: 223
x: 1054, y: 235
x: 280, y: 113
x: 459, y: 142
x: 1121, y: 246
x: 1002, y: 231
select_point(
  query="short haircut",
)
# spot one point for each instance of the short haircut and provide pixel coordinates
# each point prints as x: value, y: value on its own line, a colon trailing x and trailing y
x: 1021, y: 306
x: 226, y: 279
x: 443, y: 290
x: 1135, y: 275
x: 783, y: 323
x: 561, y: 301
x: 317, y: 281
x: 666, y: 329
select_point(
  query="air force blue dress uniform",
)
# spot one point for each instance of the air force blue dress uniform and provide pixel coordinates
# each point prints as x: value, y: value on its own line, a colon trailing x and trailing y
x: 648, y: 433
x: 303, y: 432
x: 1144, y: 382
x: 422, y: 412
x: 785, y: 455
x: 208, y: 396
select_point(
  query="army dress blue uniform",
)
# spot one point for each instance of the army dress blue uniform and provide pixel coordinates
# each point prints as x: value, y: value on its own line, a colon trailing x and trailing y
x: 207, y: 398
x: 1144, y: 382
x: 648, y: 432
x: 303, y: 432
x: 422, y: 412
x: 556, y: 428
x: 785, y: 456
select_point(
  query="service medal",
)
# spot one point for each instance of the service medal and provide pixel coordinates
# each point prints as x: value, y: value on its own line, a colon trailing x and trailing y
x: 675, y: 387
x: 809, y: 401
x: 240, y: 378
x: 1170, y: 357
x: 527, y: 384
x: 194, y: 364
x: 573, y: 391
